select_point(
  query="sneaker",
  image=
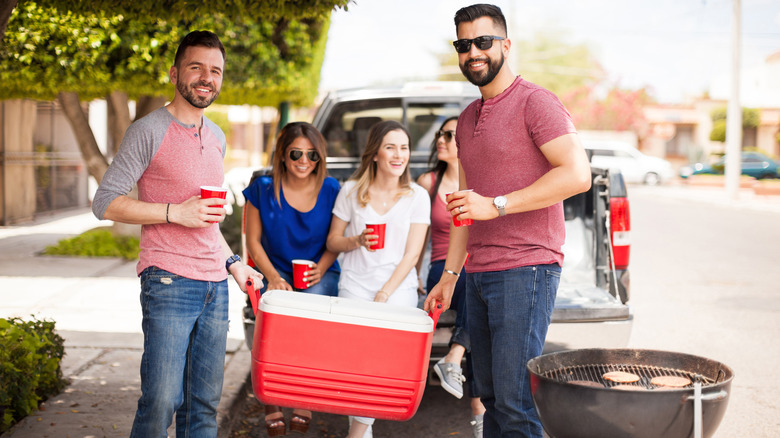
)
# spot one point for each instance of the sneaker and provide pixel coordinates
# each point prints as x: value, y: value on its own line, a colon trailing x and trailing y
x: 476, y: 425
x: 451, y: 376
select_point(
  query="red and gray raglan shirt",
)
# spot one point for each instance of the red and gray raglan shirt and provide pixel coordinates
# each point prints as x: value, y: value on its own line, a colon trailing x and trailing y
x: 169, y: 161
x: 498, y: 145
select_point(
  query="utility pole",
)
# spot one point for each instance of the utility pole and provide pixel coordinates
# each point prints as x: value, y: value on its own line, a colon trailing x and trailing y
x: 734, y: 111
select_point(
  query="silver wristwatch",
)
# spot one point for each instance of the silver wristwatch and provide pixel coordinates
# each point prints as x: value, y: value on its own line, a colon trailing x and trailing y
x: 500, y: 203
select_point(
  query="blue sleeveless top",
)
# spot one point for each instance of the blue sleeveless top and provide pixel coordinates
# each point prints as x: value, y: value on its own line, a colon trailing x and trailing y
x: 289, y: 234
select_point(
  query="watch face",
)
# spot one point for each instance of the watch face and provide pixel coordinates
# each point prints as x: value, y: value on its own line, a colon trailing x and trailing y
x: 500, y: 201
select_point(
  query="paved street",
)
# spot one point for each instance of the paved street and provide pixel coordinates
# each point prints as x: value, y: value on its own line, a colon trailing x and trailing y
x: 704, y: 281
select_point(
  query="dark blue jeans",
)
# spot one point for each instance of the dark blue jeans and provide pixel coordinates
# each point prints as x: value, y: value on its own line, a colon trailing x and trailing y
x: 509, y: 313
x: 460, y: 334
x: 185, y: 326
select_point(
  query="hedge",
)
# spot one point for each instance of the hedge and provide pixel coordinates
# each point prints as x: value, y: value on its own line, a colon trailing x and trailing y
x: 30, y: 371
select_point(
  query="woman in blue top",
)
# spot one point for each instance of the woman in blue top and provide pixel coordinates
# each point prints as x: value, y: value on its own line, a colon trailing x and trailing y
x: 288, y: 216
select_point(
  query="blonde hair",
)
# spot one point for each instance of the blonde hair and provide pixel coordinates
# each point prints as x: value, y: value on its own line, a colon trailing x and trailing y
x: 366, y: 173
x: 287, y: 136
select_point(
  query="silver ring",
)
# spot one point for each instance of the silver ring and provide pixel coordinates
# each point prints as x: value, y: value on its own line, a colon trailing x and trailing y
x: 460, y: 209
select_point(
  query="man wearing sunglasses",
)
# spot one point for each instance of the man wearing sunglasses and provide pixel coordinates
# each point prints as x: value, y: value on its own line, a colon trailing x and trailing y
x: 520, y: 157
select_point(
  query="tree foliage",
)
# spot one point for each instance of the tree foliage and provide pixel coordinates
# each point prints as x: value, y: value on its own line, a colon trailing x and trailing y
x: 751, y: 118
x: 190, y: 10
x: 619, y: 110
x: 48, y: 50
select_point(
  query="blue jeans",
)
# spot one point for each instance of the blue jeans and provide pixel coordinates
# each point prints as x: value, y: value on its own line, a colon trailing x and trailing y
x: 328, y: 285
x: 185, y: 325
x: 460, y: 334
x: 509, y: 313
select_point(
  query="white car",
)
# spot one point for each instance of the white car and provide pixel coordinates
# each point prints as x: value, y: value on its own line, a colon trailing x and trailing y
x: 635, y: 166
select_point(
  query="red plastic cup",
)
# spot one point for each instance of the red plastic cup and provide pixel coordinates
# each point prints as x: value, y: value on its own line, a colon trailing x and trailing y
x: 464, y: 222
x: 379, y: 230
x: 209, y: 192
x: 300, y: 268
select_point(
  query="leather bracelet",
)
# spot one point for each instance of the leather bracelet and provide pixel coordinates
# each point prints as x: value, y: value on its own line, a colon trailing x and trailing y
x: 167, y: 209
x: 452, y: 272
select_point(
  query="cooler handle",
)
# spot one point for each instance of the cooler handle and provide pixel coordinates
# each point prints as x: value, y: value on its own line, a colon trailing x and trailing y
x: 435, y: 312
x: 254, y: 294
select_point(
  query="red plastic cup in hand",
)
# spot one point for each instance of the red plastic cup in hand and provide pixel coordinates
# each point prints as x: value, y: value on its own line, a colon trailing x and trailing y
x: 210, y: 192
x: 464, y: 222
x: 379, y: 230
x: 300, y: 268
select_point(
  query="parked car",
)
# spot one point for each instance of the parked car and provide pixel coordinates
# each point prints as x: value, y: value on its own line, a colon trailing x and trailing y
x: 754, y: 164
x: 635, y: 166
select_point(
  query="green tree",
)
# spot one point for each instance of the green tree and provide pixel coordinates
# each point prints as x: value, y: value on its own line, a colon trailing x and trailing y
x: 751, y: 118
x: 81, y: 50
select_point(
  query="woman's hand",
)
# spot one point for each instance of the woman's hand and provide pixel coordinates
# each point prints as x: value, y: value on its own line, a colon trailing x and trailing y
x: 367, y: 239
x: 420, y: 287
x: 279, y: 283
x: 381, y: 297
x: 313, y: 275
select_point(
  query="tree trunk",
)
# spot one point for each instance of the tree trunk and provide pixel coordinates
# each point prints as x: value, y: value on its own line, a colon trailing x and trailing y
x: 146, y: 104
x: 96, y: 162
x: 6, y: 8
x: 119, y: 118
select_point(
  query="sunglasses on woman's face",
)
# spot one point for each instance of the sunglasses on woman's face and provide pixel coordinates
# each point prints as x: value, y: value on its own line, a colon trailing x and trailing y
x: 484, y: 42
x: 296, y: 154
x: 448, y: 135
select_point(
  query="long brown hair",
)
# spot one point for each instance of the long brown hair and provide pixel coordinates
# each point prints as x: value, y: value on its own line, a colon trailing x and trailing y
x: 366, y: 173
x: 287, y: 136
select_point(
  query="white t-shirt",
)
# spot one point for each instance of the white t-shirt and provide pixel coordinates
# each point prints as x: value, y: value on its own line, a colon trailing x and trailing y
x: 363, y: 272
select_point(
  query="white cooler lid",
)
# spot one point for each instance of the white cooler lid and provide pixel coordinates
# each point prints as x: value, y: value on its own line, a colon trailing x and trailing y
x: 365, y: 313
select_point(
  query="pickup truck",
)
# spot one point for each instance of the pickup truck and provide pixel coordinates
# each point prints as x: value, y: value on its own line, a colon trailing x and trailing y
x: 591, y: 308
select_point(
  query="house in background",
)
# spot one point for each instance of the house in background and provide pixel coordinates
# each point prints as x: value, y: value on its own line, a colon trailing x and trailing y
x: 681, y: 133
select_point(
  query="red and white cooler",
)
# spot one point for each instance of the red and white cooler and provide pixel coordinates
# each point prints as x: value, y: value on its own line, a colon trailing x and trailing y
x: 341, y: 356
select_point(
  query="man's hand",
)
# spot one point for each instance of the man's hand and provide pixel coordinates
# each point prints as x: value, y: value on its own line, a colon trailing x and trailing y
x: 241, y: 273
x: 442, y: 292
x: 467, y: 204
x: 197, y: 213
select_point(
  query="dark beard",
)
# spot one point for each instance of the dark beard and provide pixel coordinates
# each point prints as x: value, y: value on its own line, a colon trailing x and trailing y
x: 488, y: 77
x: 194, y: 100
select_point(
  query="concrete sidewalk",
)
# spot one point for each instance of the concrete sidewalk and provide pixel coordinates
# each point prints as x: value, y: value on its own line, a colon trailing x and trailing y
x: 95, y: 304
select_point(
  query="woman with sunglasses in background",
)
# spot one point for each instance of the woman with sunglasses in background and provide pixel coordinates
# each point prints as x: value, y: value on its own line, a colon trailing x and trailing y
x: 439, y: 181
x: 380, y: 192
x: 293, y: 206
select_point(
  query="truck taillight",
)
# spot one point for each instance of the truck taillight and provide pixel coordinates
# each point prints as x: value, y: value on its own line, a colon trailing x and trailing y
x: 620, y: 224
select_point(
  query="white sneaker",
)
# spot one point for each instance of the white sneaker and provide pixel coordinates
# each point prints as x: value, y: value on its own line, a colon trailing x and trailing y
x: 451, y: 376
x: 477, y: 423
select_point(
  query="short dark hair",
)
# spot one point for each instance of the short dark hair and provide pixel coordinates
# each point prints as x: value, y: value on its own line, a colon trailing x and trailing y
x: 202, y: 38
x: 471, y: 13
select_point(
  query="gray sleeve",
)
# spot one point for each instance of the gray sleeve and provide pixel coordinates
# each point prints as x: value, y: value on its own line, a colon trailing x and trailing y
x: 217, y: 133
x: 135, y: 153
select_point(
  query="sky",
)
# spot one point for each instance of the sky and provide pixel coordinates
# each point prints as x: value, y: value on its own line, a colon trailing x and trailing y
x: 677, y: 48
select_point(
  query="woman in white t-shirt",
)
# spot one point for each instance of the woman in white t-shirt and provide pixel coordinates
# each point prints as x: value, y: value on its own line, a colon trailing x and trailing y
x: 380, y: 192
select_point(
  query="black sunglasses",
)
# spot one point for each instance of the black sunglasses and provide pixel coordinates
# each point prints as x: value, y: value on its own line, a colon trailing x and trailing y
x: 483, y: 42
x: 296, y: 154
x: 448, y: 135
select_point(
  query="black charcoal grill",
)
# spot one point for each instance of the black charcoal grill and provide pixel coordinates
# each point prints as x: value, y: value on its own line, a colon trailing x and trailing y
x: 574, y: 400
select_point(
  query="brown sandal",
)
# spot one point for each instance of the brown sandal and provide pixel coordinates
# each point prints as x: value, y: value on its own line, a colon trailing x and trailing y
x: 299, y: 423
x: 275, y: 426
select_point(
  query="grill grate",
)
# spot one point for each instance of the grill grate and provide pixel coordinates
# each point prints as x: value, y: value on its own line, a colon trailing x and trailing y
x: 594, y: 373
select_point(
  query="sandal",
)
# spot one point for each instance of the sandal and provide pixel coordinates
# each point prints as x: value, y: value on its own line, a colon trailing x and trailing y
x: 299, y: 423
x: 275, y: 426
